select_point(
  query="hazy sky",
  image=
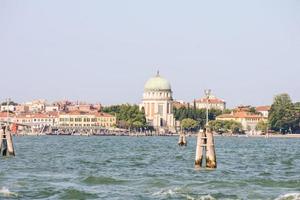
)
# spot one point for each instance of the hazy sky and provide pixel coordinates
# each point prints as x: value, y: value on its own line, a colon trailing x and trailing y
x: 104, y: 51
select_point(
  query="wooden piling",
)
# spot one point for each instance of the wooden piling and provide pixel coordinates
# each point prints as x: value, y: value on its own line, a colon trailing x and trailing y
x: 10, y: 145
x: 211, y: 161
x: 205, y: 143
x: 6, y: 143
x: 199, y: 149
x: 1, y: 139
x: 182, y: 140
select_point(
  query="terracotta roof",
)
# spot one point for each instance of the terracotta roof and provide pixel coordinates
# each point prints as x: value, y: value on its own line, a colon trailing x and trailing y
x: 225, y: 116
x: 240, y: 115
x: 36, y: 115
x: 52, y: 113
x: 263, y: 108
x: 75, y: 112
x: 4, y: 114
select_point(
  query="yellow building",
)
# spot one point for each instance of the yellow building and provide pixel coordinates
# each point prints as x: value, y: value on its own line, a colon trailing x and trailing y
x: 105, y: 120
x: 77, y: 119
x: 84, y: 119
x: 248, y: 120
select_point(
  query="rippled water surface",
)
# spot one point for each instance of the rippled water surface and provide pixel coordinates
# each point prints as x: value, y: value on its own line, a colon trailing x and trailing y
x: 57, y: 167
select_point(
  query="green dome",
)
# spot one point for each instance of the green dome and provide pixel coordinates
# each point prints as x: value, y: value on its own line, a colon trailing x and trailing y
x: 157, y: 83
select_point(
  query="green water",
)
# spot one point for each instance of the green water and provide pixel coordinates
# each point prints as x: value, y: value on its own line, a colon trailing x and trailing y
x: 74, y: 167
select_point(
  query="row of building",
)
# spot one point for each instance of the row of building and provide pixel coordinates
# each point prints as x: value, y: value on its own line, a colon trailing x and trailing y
x: 38, y: 115
x: 158, y: 104
x: 41, y: 106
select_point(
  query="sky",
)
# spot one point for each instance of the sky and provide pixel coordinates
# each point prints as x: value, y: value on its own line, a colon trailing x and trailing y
x: 245, y: 51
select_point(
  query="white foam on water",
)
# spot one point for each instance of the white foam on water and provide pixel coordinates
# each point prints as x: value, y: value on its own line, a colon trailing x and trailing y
x: 168, y: 192
x: 206, y: 197
x: 176, y: 191
x: 289, y: 196
x: 5, y: 192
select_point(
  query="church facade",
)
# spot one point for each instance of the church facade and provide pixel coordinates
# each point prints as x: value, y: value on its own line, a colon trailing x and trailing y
x: 158, y: 103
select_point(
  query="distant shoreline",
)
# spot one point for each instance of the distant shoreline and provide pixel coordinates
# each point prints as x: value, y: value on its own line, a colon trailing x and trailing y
x: 172, y: 135
x: 262, y: 136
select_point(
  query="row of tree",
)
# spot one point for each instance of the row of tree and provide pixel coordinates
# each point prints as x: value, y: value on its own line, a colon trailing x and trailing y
x: 193, y: 118
x: 284, y: 115
x: 221, y: 126
x: 128, y: 116
x: 131, y: 117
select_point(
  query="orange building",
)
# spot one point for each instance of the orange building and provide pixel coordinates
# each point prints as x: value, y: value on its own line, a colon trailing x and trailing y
x: 248, y: 120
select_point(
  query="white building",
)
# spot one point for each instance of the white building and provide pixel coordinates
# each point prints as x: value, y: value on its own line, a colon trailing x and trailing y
x: 36, y: 105
x: 212, y: 102
x: 158, y: 104
x: 38, y: 120
x: 264, y: 110
x: 51, y: 108
x: 9, y: 107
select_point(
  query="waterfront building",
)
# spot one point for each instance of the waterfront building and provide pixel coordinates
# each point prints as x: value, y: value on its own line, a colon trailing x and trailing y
x: 77, y: 119
x: 264, y: 110
x: 105, y: 120
x: 157, y: 103
x: 4, y: 117
x: 86, y: 119
x: 212, y: 102
x: 242, y: 115
x: 37, y: 120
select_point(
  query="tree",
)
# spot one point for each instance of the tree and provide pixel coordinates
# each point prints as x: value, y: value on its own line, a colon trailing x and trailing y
x: 196, y: 114
x: 253, y: 110
x: 10, y: 103
x: 262, y: 126
x: 226, y: 111
x: 128, y: 116
x: 189, y: 124
x: 282, y: 116
x: 235, y: 127
x: 218, y: 126
x: 221, y: 126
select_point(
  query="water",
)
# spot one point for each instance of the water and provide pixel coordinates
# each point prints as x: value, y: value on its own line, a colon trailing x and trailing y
x: 58, y: 167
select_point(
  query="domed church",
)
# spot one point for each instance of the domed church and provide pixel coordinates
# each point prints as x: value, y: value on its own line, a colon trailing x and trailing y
x: 157, y: 103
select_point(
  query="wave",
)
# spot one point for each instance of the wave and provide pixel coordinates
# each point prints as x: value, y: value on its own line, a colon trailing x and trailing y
x: 77, y: 194
x: 6, y: 193
x: 289, y: 196
x: 102, y: 180
x: 172, y: 193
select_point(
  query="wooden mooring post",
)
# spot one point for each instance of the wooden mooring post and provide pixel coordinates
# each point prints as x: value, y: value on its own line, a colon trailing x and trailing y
x: 6, y: 143
x: 182, y: 139
x: 205, y: 144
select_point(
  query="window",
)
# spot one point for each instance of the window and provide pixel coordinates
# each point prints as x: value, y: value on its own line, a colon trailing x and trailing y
x: 160, y: 109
